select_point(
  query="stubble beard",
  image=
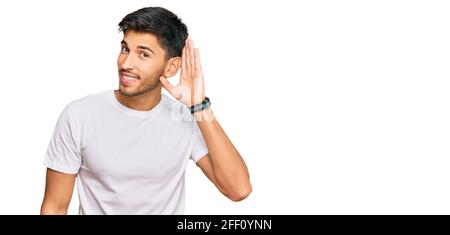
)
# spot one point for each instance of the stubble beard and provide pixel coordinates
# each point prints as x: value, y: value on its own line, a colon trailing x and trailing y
x: 143, y: 88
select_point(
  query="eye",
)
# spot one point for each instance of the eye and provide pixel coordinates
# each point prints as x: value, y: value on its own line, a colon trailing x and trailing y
x: 145, y: 54
x: 125, y: 50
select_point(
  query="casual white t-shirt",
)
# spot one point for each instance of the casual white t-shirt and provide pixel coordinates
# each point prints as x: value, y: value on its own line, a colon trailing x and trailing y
x: 127, y: 161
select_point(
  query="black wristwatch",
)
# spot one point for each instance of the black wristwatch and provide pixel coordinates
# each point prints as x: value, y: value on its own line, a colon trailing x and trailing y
x: 203, y: 105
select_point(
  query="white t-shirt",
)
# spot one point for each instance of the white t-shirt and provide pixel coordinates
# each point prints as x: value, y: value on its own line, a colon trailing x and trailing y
x: 127, y: 161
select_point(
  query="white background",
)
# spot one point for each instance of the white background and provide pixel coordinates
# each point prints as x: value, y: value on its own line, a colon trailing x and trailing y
x: 338, y: 107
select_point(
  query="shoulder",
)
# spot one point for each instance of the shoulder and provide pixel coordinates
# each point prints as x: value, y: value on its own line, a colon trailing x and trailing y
x: 175, y: 110
x: 89, y: 104
x: 86, y: 106
x: 89, y: 101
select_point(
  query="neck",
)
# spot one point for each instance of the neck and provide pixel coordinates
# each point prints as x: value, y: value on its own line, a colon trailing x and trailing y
x: 144, y: 102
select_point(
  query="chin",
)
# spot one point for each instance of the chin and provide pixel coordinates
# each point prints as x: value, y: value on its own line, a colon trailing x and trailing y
x: 127, y: 92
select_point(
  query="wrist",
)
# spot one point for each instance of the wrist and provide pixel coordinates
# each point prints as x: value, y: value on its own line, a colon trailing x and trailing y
x: 204, y: 104
x: 204, y: 115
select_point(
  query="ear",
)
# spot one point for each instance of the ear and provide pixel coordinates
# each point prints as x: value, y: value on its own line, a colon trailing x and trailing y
x: 172, y: 66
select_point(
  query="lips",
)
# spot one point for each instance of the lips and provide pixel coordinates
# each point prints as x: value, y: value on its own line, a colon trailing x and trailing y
x: 128, y: 79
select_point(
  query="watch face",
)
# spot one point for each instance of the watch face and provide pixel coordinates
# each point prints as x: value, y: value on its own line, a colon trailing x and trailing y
x: 203, y: 105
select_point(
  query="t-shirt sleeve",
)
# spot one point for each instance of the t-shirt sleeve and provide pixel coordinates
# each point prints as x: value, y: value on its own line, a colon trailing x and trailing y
x: 199, y: 149
x: 64, y: 151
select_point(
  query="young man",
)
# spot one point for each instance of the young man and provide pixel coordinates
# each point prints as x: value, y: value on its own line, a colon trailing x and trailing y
x: 130, y: 147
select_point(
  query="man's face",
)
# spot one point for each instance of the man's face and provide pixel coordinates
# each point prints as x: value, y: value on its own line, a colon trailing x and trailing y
x: 141, y: 62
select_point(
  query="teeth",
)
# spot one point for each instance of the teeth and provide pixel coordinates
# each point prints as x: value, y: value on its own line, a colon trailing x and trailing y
x: 128, y: 78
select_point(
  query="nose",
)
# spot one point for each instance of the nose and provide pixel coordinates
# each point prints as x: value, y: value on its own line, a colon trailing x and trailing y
x: 128, y: 63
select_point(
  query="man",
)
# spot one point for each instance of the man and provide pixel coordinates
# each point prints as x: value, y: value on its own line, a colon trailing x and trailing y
x: 129, y: 148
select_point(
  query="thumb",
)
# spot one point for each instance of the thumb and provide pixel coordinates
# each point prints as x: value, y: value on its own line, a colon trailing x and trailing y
x: 166, y: 84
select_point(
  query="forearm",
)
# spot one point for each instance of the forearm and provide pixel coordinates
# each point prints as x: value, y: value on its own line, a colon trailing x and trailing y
x: 229, y: 168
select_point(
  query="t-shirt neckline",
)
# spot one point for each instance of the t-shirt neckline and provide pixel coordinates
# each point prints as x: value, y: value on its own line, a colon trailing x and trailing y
x: 133, y: 112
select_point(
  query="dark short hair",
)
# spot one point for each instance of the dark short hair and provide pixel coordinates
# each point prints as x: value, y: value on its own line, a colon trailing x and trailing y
x: 170, y: 30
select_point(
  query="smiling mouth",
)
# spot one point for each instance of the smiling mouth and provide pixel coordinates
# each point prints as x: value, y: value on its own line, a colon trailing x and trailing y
x: 128, y: 79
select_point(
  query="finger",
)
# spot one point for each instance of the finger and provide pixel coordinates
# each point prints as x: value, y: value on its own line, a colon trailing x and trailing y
x: 166, y: 84
x: 188, y: 57
x: 192, y: 55
x: 198, y: 65
x: 183, y: 63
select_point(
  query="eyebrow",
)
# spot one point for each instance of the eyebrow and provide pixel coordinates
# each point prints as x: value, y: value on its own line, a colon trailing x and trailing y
x: 140, y: 47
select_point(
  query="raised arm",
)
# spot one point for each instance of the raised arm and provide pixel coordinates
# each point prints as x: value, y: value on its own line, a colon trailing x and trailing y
x: 223, y: 165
